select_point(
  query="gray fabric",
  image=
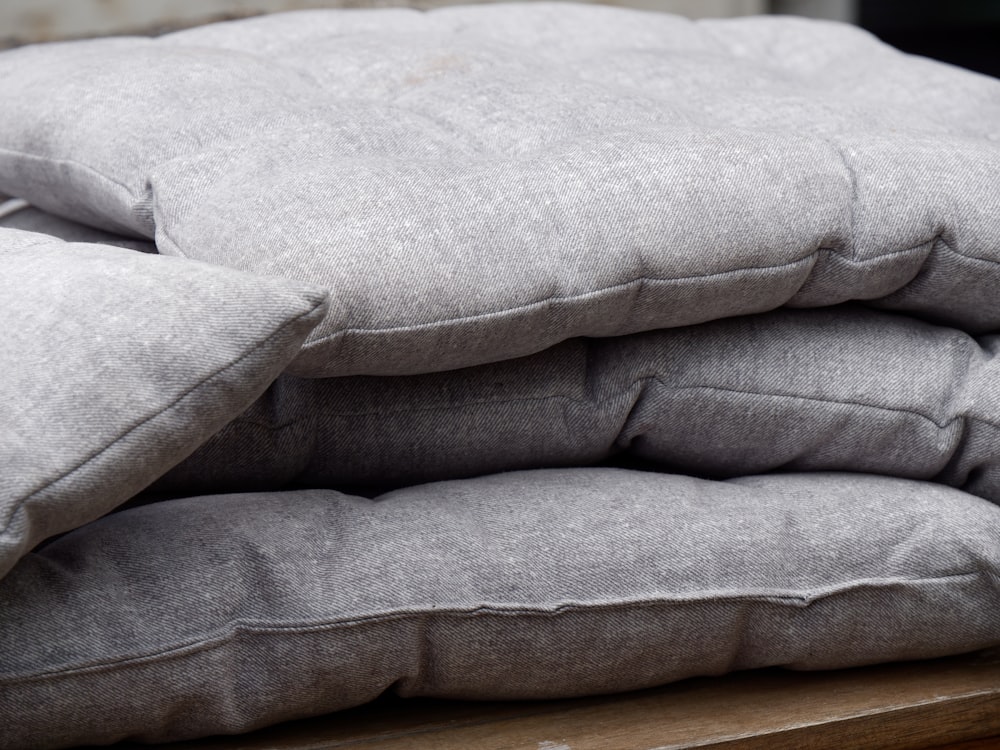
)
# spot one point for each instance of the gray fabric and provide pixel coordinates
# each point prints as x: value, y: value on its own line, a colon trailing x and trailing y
x: 474, y: 184
x: 118, y: 364
x: 31, y: 219
x: 470, y: 186
x: 220, y: 614
x: 841, y: 389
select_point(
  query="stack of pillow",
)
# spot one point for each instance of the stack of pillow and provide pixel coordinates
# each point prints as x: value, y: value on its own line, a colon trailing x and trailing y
x: 516, y: 351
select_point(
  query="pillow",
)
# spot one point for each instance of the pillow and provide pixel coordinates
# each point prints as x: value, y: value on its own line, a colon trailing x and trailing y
x: 18, y: 214
x: 846, y: 388
x: 475, y: 184
x: 117, y: 365
x: 222, y: 614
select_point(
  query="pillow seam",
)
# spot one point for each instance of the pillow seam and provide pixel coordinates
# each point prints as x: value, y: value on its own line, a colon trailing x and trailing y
x: 230, y: 631
x: 61, y: 161
x: 623, y: 392
x: 638, y: 281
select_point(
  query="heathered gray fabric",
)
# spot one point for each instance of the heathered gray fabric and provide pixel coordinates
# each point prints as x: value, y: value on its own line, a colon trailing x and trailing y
x: 470, y: 186
x: 116, y: 365
x: 847, y: 388
x: 474, y: 184
x: 31, y: 219
x: 225, y: 613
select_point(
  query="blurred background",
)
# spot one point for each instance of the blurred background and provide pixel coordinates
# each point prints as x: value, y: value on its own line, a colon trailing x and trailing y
x: 963, y: 32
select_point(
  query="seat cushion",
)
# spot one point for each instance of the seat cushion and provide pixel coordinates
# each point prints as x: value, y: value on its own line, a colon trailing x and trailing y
x: 845, y: 388
x: 221, y: 614
x: 475, y: 184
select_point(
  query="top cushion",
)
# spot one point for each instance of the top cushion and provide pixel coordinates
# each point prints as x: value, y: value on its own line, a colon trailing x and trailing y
x: 117, y: 365
x: 475, y: 184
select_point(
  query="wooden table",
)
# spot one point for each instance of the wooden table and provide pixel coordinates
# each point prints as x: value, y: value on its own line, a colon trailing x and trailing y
x: 911, y: 705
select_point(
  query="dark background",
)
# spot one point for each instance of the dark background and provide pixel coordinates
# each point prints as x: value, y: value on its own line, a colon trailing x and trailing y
x: 963, y: 32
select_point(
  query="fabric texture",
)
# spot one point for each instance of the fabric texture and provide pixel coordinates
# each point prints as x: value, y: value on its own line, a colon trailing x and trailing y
x: 193, y: 617
x: 30, y: 219
x: 550, y: 171
x: 847, y: 389
x: 117, y: 365
x: 496, y: 246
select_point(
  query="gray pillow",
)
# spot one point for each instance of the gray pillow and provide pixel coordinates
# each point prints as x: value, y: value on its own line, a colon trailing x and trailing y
x: 847, y: 388
x: 118, y: 364
x: 18, y: 214
x: 475, y: 184
x: 222, y: 614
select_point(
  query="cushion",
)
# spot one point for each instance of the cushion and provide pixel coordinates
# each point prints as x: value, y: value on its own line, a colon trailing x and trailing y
x: 220, y: 614
x: 18, y: 214
x: 475, y: 184
x: 117, y: 365
x: 845, y: 388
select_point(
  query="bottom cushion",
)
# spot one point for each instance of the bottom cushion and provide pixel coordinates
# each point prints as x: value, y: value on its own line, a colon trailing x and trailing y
x: 222, y: 614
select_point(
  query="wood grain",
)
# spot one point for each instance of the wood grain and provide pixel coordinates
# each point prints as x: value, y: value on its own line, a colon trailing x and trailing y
x: 990, y: 743
x: 890, y: 707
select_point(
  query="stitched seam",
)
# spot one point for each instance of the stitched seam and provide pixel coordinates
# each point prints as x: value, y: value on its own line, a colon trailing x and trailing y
x: 640, y: 381
x: 818, y: 399
x: 225, y: 635
x: 562, y: 298
x: 88, y: 459
x: 72, y: 163
x: 570, y: 298
x: 48, y: 240
x: 634, y: 282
